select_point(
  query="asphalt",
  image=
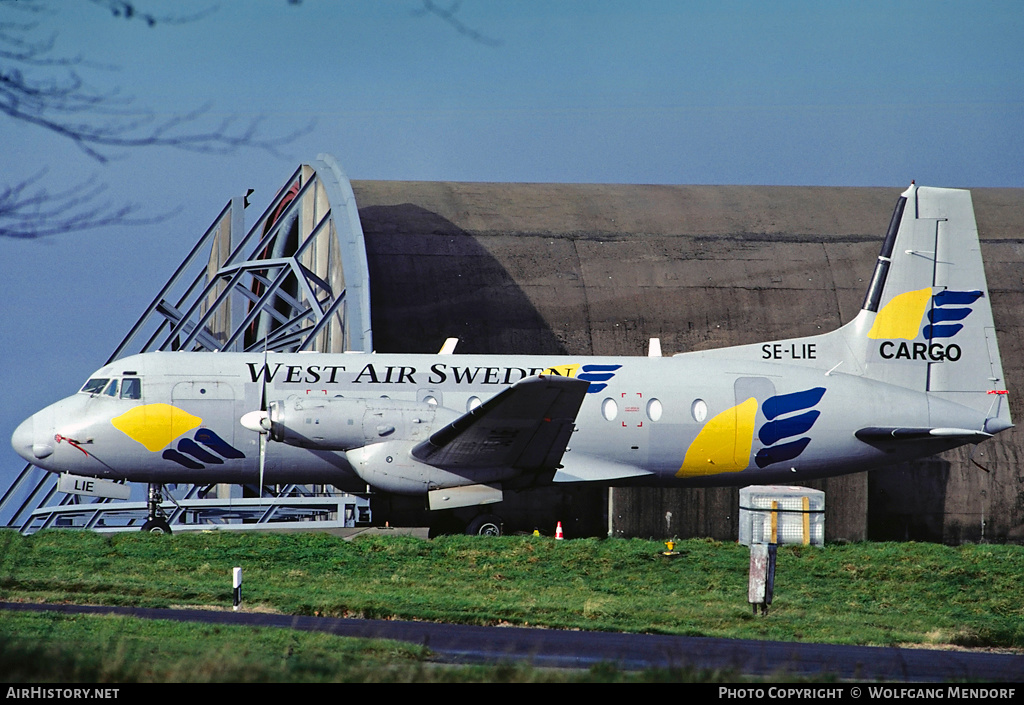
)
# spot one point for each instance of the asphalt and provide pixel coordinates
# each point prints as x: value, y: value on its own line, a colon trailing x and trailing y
x: 451, y: 643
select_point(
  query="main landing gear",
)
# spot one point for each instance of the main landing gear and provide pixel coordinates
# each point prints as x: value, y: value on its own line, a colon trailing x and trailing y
x: 448, y: 523
x: 485, y: 525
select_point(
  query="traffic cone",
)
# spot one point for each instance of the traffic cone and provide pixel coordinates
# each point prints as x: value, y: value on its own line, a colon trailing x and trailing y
x: 558, y: 532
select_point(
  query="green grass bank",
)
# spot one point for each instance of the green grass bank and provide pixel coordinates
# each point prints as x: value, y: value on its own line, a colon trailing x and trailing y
x: 868, y: 593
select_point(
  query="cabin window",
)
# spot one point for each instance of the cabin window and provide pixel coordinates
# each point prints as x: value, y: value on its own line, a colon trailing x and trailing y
x: 609, y: 409
x: 699, y: 410
x: 654, y: 409
x: 131, y: 388
x: 95, y: 385
x: 472, y: 403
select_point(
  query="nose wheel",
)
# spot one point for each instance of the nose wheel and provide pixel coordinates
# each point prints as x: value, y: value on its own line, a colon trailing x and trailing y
x: 156, y: 526
x: 156, y: 522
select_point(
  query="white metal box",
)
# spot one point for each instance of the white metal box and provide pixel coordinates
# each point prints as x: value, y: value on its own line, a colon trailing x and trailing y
x: 798, y: 515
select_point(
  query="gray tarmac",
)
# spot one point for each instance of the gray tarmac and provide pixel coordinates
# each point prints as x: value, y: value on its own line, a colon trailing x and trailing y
x: 551, y: 648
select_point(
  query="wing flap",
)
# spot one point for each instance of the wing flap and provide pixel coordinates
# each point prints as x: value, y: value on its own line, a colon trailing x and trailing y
x: 588, y: 468
x: 526, y: 427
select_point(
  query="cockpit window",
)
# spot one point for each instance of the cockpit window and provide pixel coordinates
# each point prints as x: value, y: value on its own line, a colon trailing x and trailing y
x: 131, y: 388
x: 95, y: 385
x: 111, y: 390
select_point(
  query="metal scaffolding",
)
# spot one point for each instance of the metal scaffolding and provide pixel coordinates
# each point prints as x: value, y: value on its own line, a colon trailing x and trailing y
x: 296, y: 280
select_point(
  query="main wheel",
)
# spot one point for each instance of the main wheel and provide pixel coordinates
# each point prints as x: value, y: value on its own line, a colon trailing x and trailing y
x: 156, y: 526
x: 485, y: 525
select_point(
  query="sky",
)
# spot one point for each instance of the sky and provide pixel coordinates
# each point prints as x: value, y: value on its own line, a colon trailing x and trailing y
x: 657, y: 92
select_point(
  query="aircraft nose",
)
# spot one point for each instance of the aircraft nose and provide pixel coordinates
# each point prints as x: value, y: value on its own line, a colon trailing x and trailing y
x: 33, y: 439
x: 22, y: 439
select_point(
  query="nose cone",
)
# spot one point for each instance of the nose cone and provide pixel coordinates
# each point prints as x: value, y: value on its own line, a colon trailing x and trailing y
x: 22, y: 440
x: 33, y: 439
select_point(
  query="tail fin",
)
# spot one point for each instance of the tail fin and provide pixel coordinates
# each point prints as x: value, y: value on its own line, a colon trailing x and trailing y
x: 926, y: 322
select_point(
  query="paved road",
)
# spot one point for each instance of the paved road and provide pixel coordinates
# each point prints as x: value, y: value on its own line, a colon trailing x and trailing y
x: 575, y: 649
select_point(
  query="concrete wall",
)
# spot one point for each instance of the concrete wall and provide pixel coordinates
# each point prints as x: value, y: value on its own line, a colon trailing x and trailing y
x: 598, y: 269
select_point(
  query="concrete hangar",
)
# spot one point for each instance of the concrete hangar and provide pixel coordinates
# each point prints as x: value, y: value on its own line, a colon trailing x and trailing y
x: 594, y: 270
x: 586, y: 269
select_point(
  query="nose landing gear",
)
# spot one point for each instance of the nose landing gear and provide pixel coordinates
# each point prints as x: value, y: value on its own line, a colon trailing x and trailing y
x: 156, y: 522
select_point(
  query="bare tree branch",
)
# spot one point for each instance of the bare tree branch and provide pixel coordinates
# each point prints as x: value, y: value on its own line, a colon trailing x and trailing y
x: 48, y: 91
x: 40, y: 87
x: 129, y: 11
x: 449, y: 15
x: 29, y: 210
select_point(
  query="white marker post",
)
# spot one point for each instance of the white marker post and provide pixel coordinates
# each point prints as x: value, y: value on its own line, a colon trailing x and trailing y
x: 236, y: 583
x: 756, y: 587
x: 761, y: 585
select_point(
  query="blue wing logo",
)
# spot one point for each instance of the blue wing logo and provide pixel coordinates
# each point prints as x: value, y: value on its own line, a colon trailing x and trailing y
x: 204, y: 447
x: 597, y: 375
x: 784, y: 422
x: 948, y: 307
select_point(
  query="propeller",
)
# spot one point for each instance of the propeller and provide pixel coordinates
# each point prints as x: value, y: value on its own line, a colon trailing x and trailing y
x: 259, y: 421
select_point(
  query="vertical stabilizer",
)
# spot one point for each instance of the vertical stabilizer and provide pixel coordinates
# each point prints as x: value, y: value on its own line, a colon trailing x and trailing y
x: 926, y: 322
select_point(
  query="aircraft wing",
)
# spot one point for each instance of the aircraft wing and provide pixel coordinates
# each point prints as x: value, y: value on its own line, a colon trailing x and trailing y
x: 527, y: 426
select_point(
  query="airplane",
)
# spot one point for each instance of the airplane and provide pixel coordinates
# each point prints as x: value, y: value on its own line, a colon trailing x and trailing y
x: 916, y: 372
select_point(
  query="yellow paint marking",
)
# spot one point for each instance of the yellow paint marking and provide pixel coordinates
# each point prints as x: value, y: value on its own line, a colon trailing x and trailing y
x: 562, y: 370
x: 155, y: 425
x: 723, y: 445
x: 901, y: 317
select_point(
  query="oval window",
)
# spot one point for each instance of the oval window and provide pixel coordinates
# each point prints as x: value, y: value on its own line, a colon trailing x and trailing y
x: 654, y: 409
x: 472, y: 403
x: 609, y: 409
x: 699, y: 410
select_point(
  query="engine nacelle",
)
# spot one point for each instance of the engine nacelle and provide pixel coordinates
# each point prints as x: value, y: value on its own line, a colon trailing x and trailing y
x: 390, y: 467
x: 342, y: 423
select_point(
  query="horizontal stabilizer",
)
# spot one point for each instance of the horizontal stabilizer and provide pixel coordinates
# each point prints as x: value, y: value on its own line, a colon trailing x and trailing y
x: 894, y: 433
x: 527, y: 427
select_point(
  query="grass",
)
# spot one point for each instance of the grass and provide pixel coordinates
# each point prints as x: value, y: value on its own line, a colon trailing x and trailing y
x: 869, y: 593
x: 40, y: 648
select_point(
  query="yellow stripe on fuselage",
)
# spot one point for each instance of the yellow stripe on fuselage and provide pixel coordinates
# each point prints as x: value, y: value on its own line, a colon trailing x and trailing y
x: 723, y: 445
x: 155, y: 425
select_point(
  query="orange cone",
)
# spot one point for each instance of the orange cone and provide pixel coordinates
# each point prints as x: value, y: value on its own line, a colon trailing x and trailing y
x: 558, y: 532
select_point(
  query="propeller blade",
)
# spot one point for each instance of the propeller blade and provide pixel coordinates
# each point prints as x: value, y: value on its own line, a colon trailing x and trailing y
x: 263, y: 386
x: 263, y: 459
x: 264, y: 418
